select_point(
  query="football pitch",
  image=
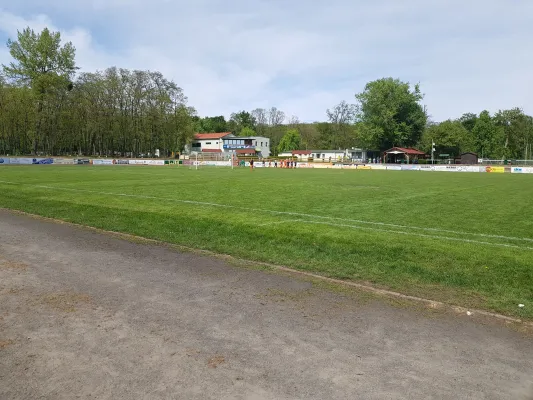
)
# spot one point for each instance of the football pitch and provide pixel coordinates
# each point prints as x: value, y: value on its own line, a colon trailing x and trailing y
x: 461, y: 238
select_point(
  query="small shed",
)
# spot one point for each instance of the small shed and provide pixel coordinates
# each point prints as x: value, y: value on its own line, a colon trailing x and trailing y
x: 469, y: 158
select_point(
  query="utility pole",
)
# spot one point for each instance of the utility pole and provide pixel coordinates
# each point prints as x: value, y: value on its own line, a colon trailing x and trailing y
x: 432, y: 152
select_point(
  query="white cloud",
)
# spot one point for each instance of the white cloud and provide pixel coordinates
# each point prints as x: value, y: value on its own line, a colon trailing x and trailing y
x: 304, y: 58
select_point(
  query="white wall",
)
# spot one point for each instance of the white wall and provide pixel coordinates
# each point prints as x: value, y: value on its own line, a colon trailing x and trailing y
x: 210, y: 144
x: 325, y: 155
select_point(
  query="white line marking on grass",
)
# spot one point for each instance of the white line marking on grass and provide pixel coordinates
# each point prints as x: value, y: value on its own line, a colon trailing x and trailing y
x: 416, y: 234
x: 281, y: 222
x: 296, y: 214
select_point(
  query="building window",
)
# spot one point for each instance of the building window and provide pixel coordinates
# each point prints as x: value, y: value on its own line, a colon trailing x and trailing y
x: 196, y: 145
x: 261, y: 144
x: 207, y: 142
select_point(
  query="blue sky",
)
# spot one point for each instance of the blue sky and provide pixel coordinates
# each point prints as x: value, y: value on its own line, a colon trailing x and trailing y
x: 302, y: 56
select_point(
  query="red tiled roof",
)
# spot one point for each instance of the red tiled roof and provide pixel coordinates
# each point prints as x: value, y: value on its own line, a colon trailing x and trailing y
x: 207, y: 136
x: 211, y: 151
x: 245, y: 151
x: 302, y: 152
x: 406, y: 151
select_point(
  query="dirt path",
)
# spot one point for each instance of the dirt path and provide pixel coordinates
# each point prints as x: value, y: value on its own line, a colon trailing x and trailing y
x: 88, y: 315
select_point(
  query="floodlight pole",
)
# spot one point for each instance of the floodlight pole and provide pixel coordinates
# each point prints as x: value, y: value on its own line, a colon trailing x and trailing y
x: 196, y: 161
x: 432, y: 151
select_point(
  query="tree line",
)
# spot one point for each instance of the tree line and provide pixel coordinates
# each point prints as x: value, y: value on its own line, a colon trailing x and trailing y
x: 46, y: 107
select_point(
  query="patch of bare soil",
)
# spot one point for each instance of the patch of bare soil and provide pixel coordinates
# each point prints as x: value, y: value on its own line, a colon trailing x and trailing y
x: 5, y: 343
x: 216, y: 361
x: 66, y: 302
x: 13, y: 265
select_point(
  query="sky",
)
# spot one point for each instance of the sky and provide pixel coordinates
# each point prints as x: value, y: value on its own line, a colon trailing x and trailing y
x: 301, y: 56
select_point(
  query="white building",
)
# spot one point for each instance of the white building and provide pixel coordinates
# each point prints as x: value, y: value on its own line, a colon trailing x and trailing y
x: 225, y: 143
x: 353, y: 154
x: 209, y: 142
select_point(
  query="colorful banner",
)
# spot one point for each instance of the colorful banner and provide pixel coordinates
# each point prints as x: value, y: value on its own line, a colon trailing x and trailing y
x: 499, y: 170
x: 42, y: 161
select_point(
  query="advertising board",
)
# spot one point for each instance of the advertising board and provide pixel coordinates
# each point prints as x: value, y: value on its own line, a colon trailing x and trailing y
x: 224, y: 163
x: 522, y: 170
x: 102, y: 162
x: 322, y: 165
x: 155, y: 162
x: 303, y: 165
x: 394, y: 168
x: 64, y: 161
x: 4, y: 161
x: 410, y: 167
x: 147, y: 162
x: 498, y: 170
x: 21, y: 160
x: 43, y: 161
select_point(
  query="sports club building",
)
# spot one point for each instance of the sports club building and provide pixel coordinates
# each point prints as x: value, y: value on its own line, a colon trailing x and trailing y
x: 227, y: 144
x: 353, y: 154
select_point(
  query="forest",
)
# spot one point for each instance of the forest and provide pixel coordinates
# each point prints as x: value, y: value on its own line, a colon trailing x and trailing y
x: 48, y: 108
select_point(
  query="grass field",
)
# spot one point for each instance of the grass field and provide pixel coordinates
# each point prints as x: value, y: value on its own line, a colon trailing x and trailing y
x: 462, y: 238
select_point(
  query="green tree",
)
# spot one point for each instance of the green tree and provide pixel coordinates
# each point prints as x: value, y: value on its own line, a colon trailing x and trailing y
x: 517, y: 130
x: 41, y: 63
x: 489, y: 137
x: 290, y: 141
x: 450, y: 137
x: 246, y: 131
x: 211, y: 124
x: 392, y: 113
x: 342, y: 117
x: 240, y: 120
x: 325, y: 135
x: 468, y: 120
x: 39, y: 60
